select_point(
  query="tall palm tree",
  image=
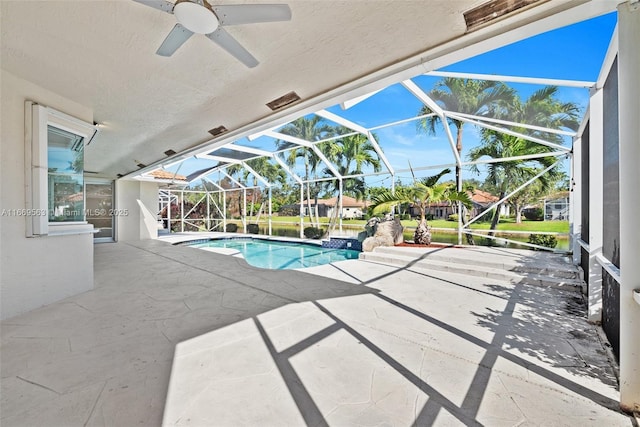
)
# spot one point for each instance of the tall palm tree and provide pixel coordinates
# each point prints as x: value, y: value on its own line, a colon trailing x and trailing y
x: 272, y: 172
x: 542, y: 109
x: 309, y: 129
x: 349, y: 154
x: 467, y: 96
x: 422, y: 194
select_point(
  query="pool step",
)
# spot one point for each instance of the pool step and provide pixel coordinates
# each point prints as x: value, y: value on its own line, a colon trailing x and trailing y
x: 535, y: 268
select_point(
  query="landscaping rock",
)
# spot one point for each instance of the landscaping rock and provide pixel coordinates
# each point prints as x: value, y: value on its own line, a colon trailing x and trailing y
x: 388, y: 232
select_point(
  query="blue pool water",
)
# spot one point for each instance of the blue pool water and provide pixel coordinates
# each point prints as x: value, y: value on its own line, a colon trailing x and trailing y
x: 281, y: 255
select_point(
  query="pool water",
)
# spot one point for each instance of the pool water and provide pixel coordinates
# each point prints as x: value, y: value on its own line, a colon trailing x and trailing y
x: 277, y: 255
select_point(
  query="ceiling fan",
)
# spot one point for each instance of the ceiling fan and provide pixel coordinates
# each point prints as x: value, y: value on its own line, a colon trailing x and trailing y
x: 198, y: 16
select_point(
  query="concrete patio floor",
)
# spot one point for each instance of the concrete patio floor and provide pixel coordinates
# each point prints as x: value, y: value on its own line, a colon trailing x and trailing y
x: 180, y: 336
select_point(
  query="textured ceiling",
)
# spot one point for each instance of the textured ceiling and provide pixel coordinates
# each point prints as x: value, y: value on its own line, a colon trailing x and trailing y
x: 101, y: 54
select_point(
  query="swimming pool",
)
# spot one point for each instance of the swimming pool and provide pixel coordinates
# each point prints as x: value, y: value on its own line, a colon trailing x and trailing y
x: 277, y: 255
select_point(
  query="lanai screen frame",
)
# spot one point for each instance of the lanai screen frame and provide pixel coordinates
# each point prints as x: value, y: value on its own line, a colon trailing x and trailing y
x: 480, y: 121
x: 576, y: 14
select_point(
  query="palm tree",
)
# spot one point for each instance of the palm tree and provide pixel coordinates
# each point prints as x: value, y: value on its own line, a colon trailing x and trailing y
x: 467, y: 96
x: 272, y: 172
x: 542, y: 109
x: 422, y: 194
x: 349, y: 154
x: 309, y: 129
x: 505, y: 176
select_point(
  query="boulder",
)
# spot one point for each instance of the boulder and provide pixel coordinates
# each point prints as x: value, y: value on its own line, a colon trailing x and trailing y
x: 388, y: 232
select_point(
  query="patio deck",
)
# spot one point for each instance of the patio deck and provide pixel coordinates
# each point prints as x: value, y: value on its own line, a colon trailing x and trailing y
x: 180, y: 336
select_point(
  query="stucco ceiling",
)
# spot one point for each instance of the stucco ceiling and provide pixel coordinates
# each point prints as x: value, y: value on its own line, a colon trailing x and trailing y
x: 101, y: 54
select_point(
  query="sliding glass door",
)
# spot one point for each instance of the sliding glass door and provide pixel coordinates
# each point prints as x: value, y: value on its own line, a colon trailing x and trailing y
x: 99, y: 209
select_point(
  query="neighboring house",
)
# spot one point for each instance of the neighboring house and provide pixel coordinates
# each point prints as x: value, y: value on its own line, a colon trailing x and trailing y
x: 557, y: 208
x: 351, y: 208
x: 481, y: 201
x: 161, y: 175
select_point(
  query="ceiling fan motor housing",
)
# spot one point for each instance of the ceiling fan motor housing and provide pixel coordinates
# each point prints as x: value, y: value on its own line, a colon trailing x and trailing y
x: 196, y: 17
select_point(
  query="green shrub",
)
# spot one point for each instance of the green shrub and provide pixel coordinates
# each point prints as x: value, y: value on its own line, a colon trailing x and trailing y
x: 405, y: 216
x: 253, y: 229
x: 534, y: 214
x: 545, y: 240
x: 313, y: 232
x: 453, y: 217
x: 232, y: 228
x: 288, y: 211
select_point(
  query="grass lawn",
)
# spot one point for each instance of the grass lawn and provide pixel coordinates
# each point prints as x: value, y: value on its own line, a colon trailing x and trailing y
x: 505, y: 224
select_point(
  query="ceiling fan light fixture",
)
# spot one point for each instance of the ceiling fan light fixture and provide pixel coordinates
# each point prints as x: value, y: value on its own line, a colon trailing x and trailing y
x: 195, y: 17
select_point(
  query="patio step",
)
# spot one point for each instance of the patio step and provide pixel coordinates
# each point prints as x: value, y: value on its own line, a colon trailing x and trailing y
x: 542, y: 269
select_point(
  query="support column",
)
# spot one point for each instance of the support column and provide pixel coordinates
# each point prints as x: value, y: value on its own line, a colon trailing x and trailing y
x: 224, y: 210
x: 393, y: 190
x: 270, y: 211
x: 596, y: 135
x: 182, y: 211
x: 629, y: 105
x: 340, y: 204
x: 208, y: 222
x: 244, y: 210
x: 301, y: 210
x: 169, y: 212
x: 575, y: 201
x: 460, y: 212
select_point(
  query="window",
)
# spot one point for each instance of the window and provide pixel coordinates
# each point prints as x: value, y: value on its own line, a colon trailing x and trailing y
x: 55, y: 199
x: 65, y: 164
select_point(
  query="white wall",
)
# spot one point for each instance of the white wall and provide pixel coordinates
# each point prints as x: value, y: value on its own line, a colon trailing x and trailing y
x: 34, y: 271
x: 139, y: 200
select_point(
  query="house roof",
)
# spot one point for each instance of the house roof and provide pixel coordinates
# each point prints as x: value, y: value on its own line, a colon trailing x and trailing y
x: 483, y: 197
x: 160, y: 174
x: 101, y: 55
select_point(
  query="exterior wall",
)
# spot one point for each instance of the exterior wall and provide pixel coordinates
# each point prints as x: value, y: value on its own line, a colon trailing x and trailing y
x: 349, y: 212
x: 34, y: 271
x: 138, y: 203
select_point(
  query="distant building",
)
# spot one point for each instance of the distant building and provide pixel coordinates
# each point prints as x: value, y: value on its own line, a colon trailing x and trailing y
x: 556, y: 207
x: 481, y: 200
x: 351, y: 208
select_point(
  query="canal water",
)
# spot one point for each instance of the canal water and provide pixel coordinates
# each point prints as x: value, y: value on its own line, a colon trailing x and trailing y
x: 437, y: 236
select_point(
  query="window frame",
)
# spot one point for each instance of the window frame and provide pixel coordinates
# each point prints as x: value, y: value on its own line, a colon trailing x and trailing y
x: 38, y: 118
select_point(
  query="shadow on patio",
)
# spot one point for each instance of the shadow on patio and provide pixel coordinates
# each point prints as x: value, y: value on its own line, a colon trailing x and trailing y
x: 235, y: 345
x: 429, y: 349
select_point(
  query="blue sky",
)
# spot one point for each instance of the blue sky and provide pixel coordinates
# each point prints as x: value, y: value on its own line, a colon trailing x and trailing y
x: 575, y: 52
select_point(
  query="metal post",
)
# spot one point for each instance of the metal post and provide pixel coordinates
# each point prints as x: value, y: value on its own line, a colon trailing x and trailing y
x: 393, y: 190
x: 182, y: 211
x: 596, y: 135
x: 244, y: 210
x: 460, y: 213
x: 629, y: 105
x: 169, y: 212
x: 224, y: 210
x: 340, y: 203
x: 575, y: 201
x: 206, y: 194
x: 301, y: 210
x: 270, y: 211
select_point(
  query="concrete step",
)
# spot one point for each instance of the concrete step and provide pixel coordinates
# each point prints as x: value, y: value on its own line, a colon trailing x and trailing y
x: 546, y: 264
x: 457, y: 263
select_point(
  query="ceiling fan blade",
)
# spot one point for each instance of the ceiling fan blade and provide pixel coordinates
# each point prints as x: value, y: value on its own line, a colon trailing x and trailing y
x: 162, y: 5
x: 231, y: 45
x: 252, y: 13
x: 174, y: 40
